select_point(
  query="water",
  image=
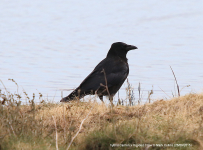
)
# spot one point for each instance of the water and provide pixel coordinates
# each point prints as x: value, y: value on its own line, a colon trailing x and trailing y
x: 51, y: 45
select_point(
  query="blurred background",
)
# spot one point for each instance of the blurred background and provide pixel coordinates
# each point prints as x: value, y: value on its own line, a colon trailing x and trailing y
x: 46, y: 46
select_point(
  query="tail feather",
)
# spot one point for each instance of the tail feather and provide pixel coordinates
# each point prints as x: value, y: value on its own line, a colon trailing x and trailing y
x: 72, y: 96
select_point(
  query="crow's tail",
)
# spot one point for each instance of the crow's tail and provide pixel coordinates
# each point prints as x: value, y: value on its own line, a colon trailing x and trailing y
x: 72, y: 96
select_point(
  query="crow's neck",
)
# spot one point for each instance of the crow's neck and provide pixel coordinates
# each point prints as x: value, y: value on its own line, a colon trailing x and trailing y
x: 112, y: 54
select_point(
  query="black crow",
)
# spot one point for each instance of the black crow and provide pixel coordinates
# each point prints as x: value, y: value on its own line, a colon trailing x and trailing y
x: 107, y: 77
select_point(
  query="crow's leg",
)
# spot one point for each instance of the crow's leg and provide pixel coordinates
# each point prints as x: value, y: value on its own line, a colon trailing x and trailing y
x: 101, y: 98
x: 111, y: 100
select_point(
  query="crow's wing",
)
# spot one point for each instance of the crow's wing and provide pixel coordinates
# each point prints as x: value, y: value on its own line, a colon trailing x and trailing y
x: 116, y: 71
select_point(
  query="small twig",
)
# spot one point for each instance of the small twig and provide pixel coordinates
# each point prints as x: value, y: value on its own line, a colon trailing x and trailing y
x: 79, y: 129
x: 184, y: 87
x: 61, y: 94
x: 56, y: 133
x: 54, y: 95
x: 165, y: 92
x: 149, y: 94
x: 139, y: 90
x: 106, y: 82
x: 4, y: 87
x: 119, y: 100
x: 15, y: 83
x: 176, y: 82
x: 12, y: 128
x: 129, y: 92
x: 107, y: 89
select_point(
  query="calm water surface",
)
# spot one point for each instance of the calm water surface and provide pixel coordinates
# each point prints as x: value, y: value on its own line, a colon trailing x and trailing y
x: 51, y: 45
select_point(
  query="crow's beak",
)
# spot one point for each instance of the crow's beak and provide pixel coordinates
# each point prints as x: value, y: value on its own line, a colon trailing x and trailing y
x: 131, y: 47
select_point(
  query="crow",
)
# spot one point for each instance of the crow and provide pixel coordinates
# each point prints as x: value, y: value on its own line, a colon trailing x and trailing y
x: 107, y: 77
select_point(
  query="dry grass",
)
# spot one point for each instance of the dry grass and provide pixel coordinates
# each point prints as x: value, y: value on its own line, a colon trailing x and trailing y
x: 35, y: 126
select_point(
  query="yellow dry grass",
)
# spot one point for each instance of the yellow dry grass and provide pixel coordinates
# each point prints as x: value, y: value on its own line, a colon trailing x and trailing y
x: 160, y: 122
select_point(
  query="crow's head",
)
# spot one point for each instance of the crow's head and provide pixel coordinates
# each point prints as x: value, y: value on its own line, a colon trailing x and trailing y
x: 120, y: 49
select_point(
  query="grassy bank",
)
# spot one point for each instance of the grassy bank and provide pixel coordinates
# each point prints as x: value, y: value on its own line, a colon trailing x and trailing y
x: 171, y: 124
